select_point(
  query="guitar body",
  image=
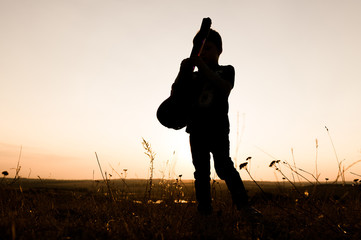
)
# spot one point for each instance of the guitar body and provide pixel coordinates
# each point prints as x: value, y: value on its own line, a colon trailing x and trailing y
x: 174, y: 111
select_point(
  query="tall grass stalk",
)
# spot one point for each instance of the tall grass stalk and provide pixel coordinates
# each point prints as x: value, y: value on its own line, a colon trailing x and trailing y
x: 105, y: 179
x: 122, y: 178
x: 317, y: 182
x: 18, y: 167
x: 356, y: 174
x: 317, y: 176
x: 244, y: 166
x: 340, y: 172
x: 100, y: 167
x: 151, y: 155
x: 295, y: 168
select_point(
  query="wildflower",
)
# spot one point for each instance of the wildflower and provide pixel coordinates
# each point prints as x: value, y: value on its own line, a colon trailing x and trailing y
x: 5, y: 173
x: 274, y: 162
x: 243, y: 165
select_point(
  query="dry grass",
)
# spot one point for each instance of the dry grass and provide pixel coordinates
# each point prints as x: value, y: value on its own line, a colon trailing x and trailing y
x: 166, y: 209
x: 49, y: 209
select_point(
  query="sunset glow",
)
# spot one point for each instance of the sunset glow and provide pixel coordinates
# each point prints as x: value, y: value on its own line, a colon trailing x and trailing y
x: 79, y: 77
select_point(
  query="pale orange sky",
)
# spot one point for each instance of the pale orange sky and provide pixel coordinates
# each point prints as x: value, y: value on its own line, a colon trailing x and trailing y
x: 79, y: 77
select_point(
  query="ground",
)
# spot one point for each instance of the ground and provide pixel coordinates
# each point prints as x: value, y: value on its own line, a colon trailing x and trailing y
x: 130, y: 209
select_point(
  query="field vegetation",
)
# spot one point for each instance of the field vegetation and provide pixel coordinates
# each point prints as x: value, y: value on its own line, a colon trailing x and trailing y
x: 123, y: 209
x: 297, y: 207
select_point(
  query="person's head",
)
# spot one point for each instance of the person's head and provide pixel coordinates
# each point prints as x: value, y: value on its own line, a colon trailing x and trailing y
x: 212, y: 48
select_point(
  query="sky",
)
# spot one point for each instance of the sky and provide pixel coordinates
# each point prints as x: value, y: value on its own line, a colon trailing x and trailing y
x: 79, y: 77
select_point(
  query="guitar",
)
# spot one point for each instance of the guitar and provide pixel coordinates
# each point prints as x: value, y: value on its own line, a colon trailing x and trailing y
x: 173, y: 112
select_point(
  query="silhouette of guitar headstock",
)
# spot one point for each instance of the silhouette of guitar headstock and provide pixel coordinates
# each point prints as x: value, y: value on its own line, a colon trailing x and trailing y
x: 201, y: 37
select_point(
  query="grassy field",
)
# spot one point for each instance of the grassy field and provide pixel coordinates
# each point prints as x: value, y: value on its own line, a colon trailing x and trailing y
x: 122, y: 209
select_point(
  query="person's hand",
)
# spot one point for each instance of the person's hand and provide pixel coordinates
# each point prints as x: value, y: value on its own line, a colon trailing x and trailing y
x: 198, y: 62
x: 186, y: 65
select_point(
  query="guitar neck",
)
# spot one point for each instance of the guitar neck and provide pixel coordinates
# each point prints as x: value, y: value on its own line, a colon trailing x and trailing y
x: 201, y: 37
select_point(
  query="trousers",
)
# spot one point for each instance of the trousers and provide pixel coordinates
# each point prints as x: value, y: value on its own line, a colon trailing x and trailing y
x: 202, y: 145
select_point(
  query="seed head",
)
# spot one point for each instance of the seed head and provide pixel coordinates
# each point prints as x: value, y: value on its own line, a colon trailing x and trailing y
x: 243, y: 165
x: 274, y: 162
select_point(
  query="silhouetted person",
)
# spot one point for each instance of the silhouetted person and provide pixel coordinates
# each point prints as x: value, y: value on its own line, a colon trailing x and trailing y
x: 208, y: 124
